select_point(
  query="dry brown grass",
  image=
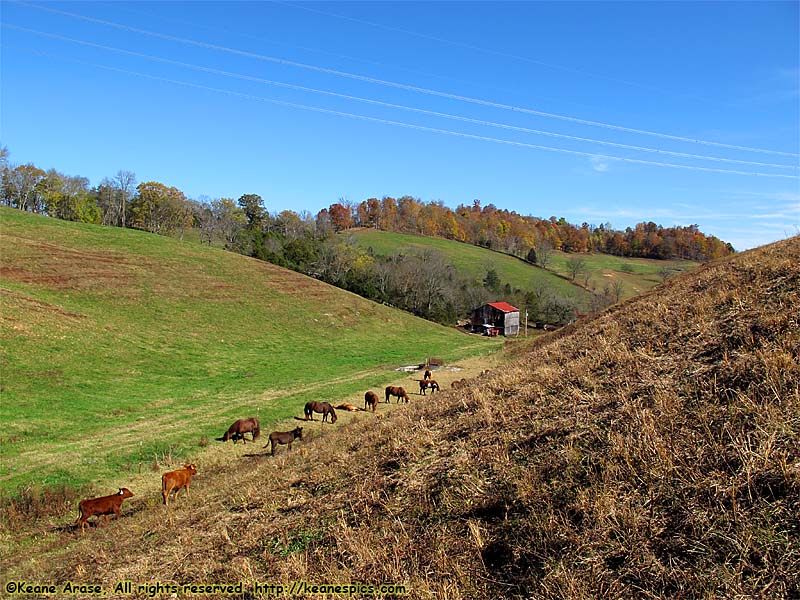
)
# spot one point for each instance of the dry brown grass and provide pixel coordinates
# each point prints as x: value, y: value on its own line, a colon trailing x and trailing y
x: 651, y: 452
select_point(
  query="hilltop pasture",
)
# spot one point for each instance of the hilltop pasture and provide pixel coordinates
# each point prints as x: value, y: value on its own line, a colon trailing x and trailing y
x: 120, y: 348
x: 472, y: 262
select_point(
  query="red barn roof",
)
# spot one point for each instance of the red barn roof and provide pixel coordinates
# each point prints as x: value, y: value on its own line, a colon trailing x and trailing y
x: 504, y: 306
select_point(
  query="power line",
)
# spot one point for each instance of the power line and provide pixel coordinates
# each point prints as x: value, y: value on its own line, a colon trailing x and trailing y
x: 484, y: 50
x: 392, y: 105
x: 403, y: 85
x: 417, y: 127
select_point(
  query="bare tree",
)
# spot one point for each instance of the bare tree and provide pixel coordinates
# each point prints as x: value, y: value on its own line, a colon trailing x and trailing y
x: 617, y: 289
x: 665, y: 273
x: 544, y: 253
x: 125, y: 182
x: 575, y: 266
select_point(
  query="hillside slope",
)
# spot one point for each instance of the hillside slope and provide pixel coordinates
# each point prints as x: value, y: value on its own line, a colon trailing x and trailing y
x: 600, y: 270
x: 471, y: 262
x: 120, y: 346
x: 652, y: 452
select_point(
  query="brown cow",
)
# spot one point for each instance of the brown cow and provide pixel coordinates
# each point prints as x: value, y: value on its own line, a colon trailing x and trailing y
x: 175, y: 480
x: 370, y: 401
x: 430, y: 383
x: 396, y: 391
x: 105, y: 505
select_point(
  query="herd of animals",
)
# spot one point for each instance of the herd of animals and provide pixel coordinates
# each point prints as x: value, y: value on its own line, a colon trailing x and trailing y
x: 172, y: 482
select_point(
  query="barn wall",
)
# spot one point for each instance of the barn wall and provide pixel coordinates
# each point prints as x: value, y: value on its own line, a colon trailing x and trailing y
x: 511, y: 324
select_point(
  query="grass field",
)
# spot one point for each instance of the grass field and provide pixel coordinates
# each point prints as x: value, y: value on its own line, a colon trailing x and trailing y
x: 119, y: 346
x: 636, y: 274
x: 471, y: 262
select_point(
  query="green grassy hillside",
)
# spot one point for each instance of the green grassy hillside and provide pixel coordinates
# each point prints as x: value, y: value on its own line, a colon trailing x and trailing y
x: 119, y: 346
x: 471, y: 262
x: 635, y: 274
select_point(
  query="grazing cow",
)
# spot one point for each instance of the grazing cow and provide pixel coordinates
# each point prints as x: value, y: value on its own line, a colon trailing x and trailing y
x: 424, y: 385
x: 175, y: 480
x: 397, y: 391
x: 240, y: 427
x: 370, y: 401
x: 427, y: 375
x: 321, y: 407
x: 284, y: 437
x: 105, y: 505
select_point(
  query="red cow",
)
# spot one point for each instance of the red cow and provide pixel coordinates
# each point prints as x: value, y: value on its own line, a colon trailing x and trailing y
x: 105, y: 505
x: 175, y: 480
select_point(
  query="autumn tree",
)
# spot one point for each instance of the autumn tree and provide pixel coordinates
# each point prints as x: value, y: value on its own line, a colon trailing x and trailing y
x: 160, y: 209
x: 340, y: 218
x: 254, y: 211
x: 22, y: 188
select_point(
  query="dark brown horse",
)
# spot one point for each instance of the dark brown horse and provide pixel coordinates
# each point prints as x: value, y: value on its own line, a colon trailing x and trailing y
x: 458, y: 384
x: 321, y: 407
x: 370, y: 401
x: 284, y: 437
x: 240, y: 427
x: 427, y: 375
x: 429, y: 384
x: 397, y: 391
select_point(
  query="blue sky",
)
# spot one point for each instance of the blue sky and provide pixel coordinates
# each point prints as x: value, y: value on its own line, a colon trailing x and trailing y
x: 198, y: 96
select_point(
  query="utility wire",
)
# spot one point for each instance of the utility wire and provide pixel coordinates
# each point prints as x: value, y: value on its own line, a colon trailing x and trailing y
x: 401, y: 85
x: 416, y: 127
x: 392, y: 105
x: 500, y: 53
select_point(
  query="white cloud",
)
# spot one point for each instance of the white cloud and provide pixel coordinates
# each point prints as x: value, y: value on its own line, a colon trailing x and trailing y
x: 601, y: 165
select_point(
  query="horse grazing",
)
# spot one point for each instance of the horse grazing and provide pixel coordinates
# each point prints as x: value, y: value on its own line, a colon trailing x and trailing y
x: 430, y: 383
x: 397, y: 391
x: 284, y: 437
x: 321, y: 407
x: 459, y: 384
x: 370, y: 401
x: 240, y: 427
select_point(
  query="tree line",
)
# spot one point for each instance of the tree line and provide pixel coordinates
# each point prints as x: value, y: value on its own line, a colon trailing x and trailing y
x: 422, y: 283
x: 510, y: 232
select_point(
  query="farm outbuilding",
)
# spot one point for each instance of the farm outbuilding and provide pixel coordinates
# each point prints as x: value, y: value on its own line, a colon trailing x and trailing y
x: 495, y: 318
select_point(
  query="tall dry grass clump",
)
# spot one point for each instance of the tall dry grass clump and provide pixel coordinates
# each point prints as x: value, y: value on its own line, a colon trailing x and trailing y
x: 651, y: 452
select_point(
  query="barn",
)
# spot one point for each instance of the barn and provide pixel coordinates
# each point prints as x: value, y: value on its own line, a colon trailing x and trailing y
x: 494, y: 318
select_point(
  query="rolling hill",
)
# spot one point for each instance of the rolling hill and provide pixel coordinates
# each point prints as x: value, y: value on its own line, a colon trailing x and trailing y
x: 472, y: 262
x: 122, y: 347
x: 650, y: 451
